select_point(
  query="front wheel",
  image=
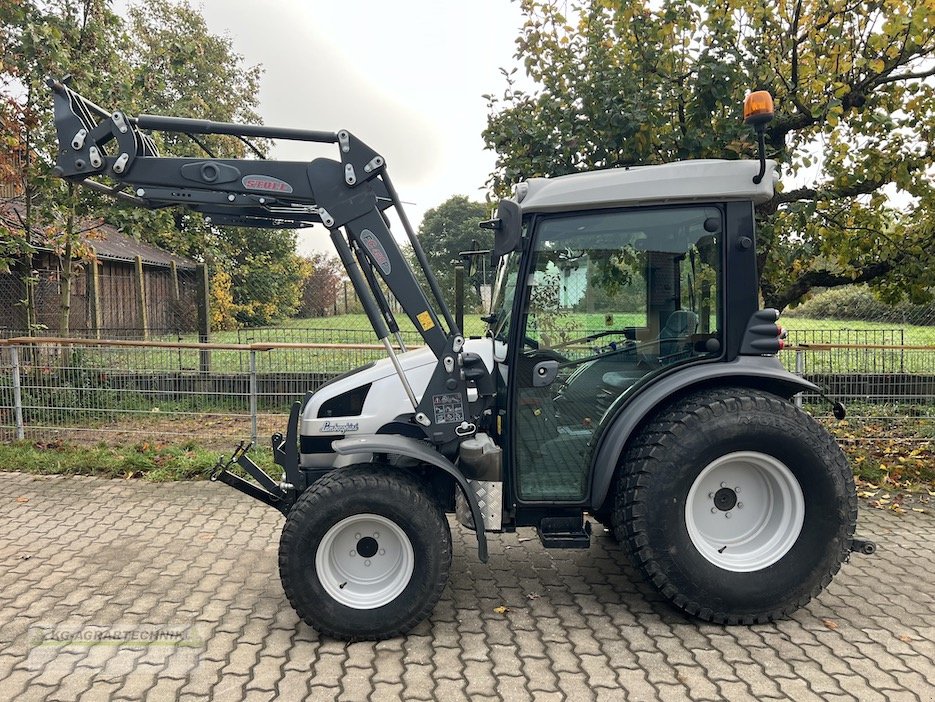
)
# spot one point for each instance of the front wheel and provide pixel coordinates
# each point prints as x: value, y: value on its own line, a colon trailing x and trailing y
x: 365, y: 553
x: 736, y: 505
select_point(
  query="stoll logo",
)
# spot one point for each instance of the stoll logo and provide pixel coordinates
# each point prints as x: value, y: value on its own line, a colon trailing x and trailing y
x: 266, y: 184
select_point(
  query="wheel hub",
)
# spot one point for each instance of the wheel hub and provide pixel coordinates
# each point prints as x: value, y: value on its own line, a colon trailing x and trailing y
x: 364, y: 561
x: 725, y: 499
x: 367, y: 547
x: 753, y: 534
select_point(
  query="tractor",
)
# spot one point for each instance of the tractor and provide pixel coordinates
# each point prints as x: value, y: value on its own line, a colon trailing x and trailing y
x: 626, y: 375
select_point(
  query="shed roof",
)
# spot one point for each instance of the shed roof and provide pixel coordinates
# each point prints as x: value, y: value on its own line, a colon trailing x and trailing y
x: 110, y: 244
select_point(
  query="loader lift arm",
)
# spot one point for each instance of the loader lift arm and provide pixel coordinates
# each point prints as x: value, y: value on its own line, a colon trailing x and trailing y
x: 349, y: 197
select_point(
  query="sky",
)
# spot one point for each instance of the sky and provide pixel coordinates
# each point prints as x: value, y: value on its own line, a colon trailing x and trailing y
x: 405, y: 77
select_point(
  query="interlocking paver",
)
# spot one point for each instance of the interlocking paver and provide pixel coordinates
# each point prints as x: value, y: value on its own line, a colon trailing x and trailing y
x: 85, y: 552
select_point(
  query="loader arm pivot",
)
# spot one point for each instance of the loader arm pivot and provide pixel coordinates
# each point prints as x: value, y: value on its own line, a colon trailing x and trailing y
x: 349, y: 197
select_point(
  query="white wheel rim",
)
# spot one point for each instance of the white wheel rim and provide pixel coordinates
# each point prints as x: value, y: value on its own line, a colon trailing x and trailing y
x: 745, y: 511
x: 364, y: 561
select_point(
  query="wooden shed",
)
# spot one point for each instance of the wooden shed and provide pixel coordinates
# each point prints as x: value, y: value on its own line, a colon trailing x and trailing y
x: 125, y: 289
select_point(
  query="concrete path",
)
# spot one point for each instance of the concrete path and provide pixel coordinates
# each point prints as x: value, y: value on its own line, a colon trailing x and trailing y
x: 116, y: 590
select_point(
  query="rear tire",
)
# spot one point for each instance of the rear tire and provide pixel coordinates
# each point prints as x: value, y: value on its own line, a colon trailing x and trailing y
x: 726, y: 555
x: 365, y: 554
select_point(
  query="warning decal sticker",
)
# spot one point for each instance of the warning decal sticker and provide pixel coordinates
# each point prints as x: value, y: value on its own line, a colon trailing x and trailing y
x: 448, y: 408
x: 425, y: 319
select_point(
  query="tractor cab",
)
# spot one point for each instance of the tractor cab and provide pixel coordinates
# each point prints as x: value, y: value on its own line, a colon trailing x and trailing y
x: 599, y: 298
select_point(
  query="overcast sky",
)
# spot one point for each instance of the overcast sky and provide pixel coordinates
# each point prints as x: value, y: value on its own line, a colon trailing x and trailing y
x: 405, y: 77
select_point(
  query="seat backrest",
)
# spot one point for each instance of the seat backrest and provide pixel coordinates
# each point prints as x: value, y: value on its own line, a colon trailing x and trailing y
x: 680, y: 325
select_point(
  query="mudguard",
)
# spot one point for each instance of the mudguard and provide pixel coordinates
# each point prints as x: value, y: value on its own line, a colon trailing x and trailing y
x: 420, y: 451
x: 764, y: 372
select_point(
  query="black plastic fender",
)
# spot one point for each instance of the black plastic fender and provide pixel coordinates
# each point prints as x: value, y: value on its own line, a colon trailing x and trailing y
x: 419, y: 450
x: 763, y: 372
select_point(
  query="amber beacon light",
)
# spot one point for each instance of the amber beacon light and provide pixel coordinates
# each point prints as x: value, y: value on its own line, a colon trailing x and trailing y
x: 758, y: 108
x: 757, y: 111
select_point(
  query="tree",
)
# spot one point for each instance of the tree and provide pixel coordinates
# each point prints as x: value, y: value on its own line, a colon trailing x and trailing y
x: 162, y: 59
x: 38, y: 40
x: 181, y: 68
x: 637, y: 82
x: 321, y: 285
x: 445, y: 232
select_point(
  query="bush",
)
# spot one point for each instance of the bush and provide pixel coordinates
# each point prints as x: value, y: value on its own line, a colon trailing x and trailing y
x: 858, y: 302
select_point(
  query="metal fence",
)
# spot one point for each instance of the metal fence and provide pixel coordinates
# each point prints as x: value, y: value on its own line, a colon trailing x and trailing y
x: 214, y: 394
x: 125, y: 392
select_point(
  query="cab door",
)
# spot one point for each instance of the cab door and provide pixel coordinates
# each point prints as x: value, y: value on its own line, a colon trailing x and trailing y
x: 611, y: 298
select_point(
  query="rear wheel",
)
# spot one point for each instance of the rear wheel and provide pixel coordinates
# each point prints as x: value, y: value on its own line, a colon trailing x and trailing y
x: 365, y: 553
x: 736, y: 505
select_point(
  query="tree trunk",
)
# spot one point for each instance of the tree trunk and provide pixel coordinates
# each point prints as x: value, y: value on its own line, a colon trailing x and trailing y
x: 67, y: 270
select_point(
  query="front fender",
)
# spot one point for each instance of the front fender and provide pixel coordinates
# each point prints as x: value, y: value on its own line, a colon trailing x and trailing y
x: 763, y: 372
x: 419, y: 450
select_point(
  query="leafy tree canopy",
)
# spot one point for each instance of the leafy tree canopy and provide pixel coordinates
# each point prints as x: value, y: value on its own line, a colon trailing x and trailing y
x: 445, y: 232
x: 161, y: 58
x: 639, y: 82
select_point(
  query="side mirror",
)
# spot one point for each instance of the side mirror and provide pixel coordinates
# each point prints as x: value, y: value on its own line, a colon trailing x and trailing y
x: 507, y: 228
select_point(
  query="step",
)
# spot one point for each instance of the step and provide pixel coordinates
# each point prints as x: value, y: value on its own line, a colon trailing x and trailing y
x: 564, y: 532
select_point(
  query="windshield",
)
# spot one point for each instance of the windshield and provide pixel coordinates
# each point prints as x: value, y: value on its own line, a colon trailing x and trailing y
x: 501, y: 303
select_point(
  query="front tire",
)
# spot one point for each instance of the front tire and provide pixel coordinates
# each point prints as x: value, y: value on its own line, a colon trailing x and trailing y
x: 365, y: 554
x: 736, y: 505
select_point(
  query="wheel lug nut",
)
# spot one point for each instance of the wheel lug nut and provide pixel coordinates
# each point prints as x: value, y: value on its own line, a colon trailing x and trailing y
x: 367, y: 562
x: 714, y: 510
x: 737, y: 489
x: 382, y: 551
x: 727, y: 515
x: 740, y: 505
x: 353, y: 553
x: 711, y: 495
x: 357, y: 536
x: 376, y: 534
x: 723, y: 484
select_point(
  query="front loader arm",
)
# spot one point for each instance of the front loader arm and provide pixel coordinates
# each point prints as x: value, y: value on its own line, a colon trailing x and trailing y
x: 348, y: 196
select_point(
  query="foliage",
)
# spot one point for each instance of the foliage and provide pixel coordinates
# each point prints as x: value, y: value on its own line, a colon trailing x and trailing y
x: 639, y: 82
x: 40, y: 40
x: 266, y: 275
x: 859, y: 302
x: 321, y: 285
x: 446, y: 231
x: 161, y: 59
x: 222, y: 301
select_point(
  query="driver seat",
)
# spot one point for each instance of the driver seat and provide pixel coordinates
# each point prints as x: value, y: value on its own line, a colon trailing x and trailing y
x: 674, y: 336
x: 674, y: 342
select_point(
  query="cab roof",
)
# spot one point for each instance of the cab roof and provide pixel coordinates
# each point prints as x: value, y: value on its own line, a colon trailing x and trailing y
x: 702, y: 180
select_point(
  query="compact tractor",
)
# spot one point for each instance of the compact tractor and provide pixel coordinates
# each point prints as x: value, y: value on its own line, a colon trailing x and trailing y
x: 626, y: 374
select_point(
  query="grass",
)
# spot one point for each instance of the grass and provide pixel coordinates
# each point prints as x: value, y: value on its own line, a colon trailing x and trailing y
x: 887, y: 455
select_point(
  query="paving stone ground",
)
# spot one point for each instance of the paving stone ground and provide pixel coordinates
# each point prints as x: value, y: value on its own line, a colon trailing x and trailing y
x: 197, y: 561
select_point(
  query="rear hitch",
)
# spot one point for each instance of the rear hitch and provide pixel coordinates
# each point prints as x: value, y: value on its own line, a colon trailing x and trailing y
x: 265, y: 489
x: 863, y: 546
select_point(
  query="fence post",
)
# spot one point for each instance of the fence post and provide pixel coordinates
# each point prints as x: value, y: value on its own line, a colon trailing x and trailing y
x: 203, y: 296
x: 141, y: 297
x: 94, y: 293
x: 253, y: 394
x: 176, y: 293
x: 799, y: 371
x: 17, y: 394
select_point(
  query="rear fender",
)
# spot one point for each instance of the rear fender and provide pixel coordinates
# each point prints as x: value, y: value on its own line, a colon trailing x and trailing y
x: 414, y: 448
x: 762, y: 372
